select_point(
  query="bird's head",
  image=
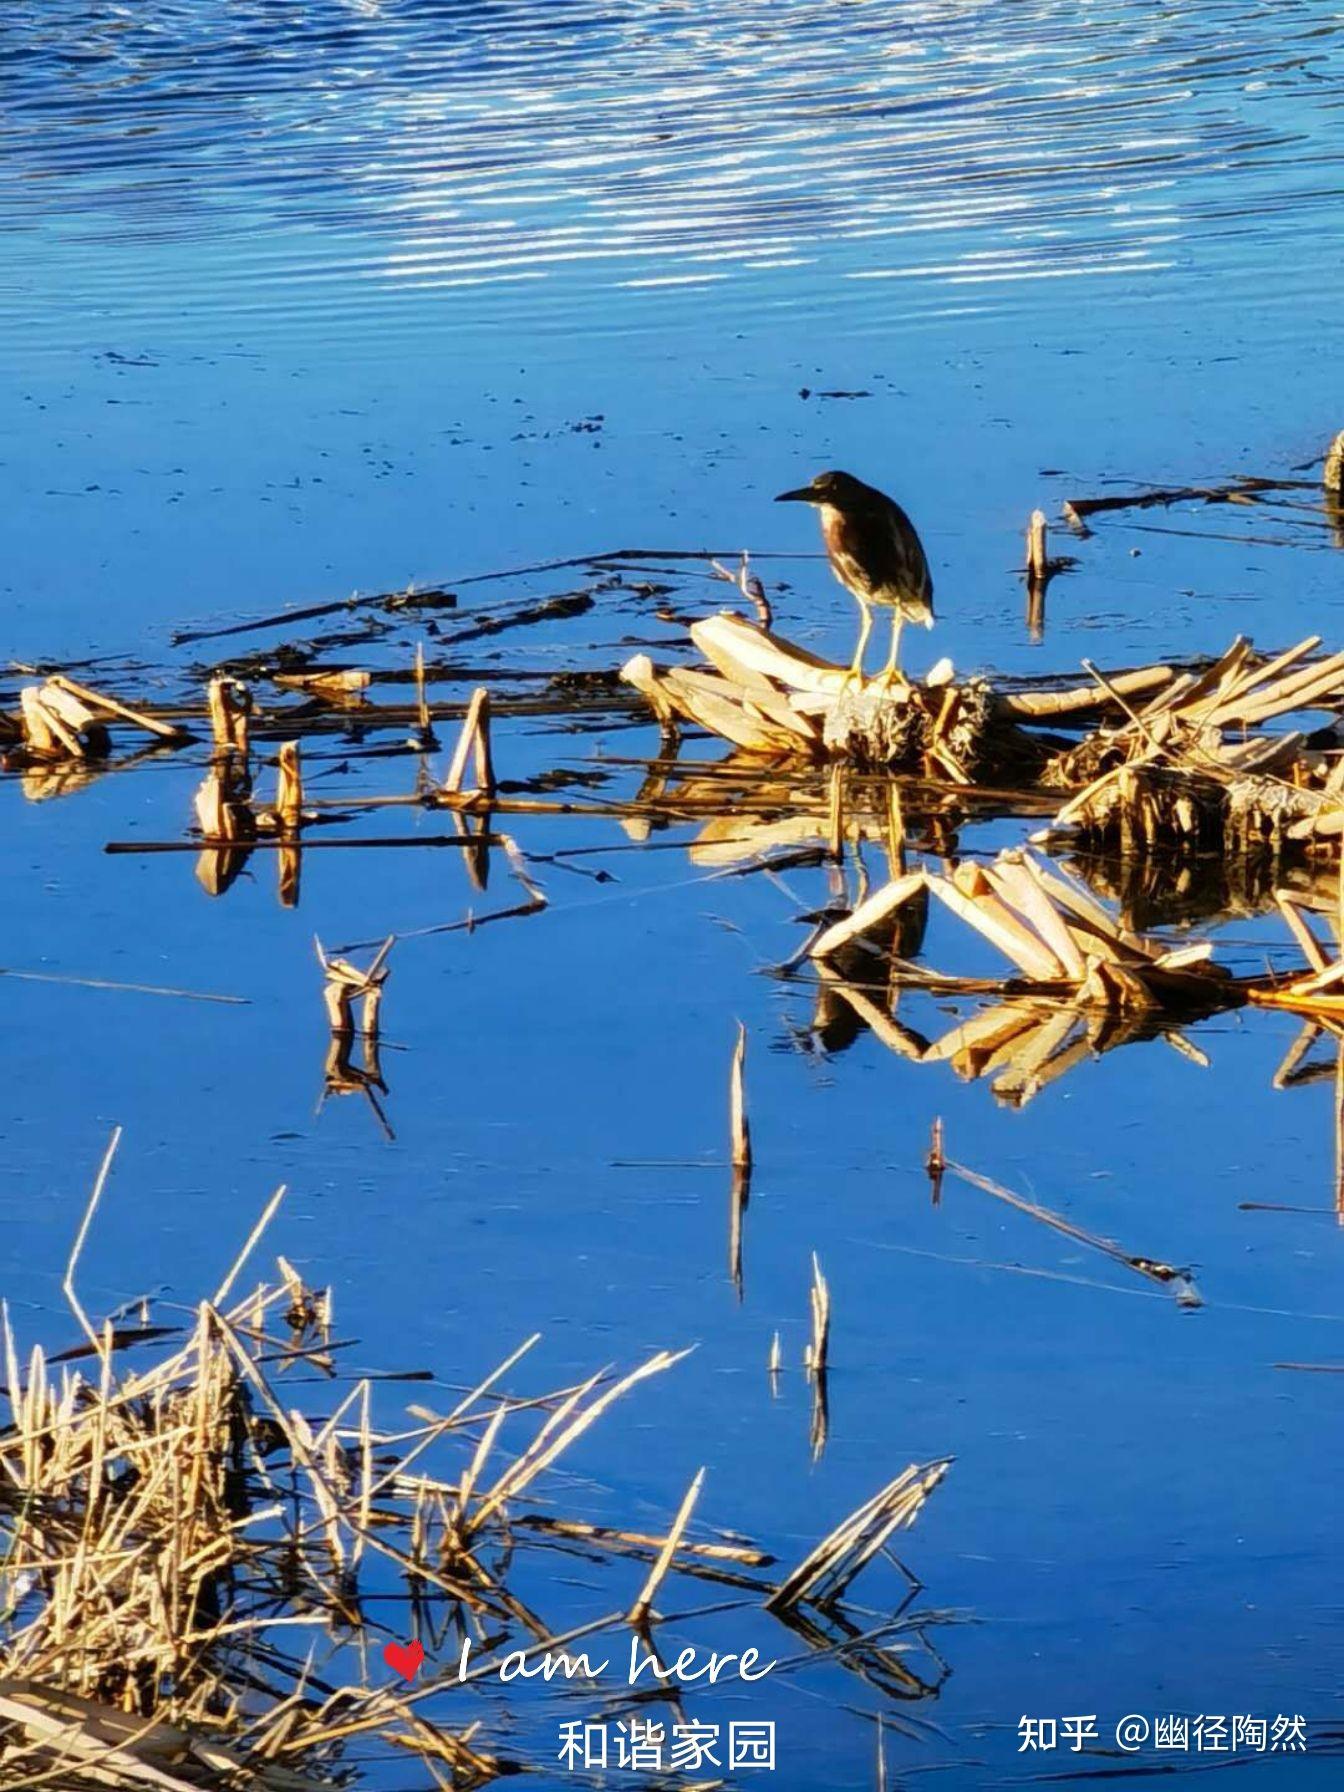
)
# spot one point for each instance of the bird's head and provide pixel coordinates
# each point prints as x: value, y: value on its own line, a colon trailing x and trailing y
x: 842, y: 491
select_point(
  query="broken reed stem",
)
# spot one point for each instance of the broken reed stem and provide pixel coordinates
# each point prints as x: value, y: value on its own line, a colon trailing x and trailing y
x: 68, y: 1285
x: 422, y: 716
x: 749, y: 585
x: 816, y: 1358
x: 639, y: 1612
x: 346, y: 983
x: 474, y: 738
x: 739, y: 1126
x: 936, y: 1163
x: 822, y: 1576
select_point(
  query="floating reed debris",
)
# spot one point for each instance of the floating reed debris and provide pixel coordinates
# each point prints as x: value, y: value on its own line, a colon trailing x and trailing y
x: 339, y: 685
x: 61, y: 719
x: 1186, y: 769
x: 1243, y: 490
x: 1180, y: 755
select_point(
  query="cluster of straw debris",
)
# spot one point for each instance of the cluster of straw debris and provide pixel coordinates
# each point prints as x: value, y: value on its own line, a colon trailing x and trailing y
x: 769, y: 696
x: 187, y: 1557
x: 1185, y: 757
x: 1060, y: 939
x: 1194, y: 767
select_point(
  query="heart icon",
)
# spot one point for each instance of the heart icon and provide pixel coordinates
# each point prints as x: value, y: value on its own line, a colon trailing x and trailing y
x: 404, y: 1658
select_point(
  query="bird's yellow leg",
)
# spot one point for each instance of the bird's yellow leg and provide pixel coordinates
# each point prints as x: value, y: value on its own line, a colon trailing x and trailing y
x: 855, y: 673
x: 889, y: 671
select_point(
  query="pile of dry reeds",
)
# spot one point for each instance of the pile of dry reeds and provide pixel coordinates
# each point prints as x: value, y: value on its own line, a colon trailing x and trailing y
x: 1177, y: 755
x: 178, y: 1541
x: 768, y: 695
x: 1192, y: 766
x: 1061, y: 941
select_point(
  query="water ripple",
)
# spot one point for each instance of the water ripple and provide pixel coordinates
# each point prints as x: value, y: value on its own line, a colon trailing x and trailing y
x: 282, y: 156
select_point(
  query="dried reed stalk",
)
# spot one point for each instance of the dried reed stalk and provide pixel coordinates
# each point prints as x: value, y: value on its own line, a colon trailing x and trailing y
x: 817, y: 1353
x: 739, y: 1127
x: 289, y: 788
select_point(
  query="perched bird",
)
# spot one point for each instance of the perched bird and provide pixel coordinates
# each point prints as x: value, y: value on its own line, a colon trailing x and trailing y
x: 876, y: 555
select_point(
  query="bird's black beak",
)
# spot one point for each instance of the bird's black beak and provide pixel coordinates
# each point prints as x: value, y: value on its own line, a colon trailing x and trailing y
x: 805, y: 495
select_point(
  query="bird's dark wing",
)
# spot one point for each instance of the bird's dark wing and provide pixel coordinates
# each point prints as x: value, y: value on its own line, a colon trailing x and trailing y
x: 877, y: 554
x: 907, y: 569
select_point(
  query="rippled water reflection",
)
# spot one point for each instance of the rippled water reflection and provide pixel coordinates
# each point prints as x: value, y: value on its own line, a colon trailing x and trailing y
x: 943, y: 152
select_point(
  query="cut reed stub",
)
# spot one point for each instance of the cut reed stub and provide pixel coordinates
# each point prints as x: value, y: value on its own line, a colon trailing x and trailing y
x: 935, y: 1162
x: 289, y: 789
x: 346, y: 984
x: 1038, y: 564
x: 229, y: 703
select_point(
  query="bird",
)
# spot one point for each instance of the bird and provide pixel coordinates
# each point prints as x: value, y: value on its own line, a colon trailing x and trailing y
x: 875, y: 553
